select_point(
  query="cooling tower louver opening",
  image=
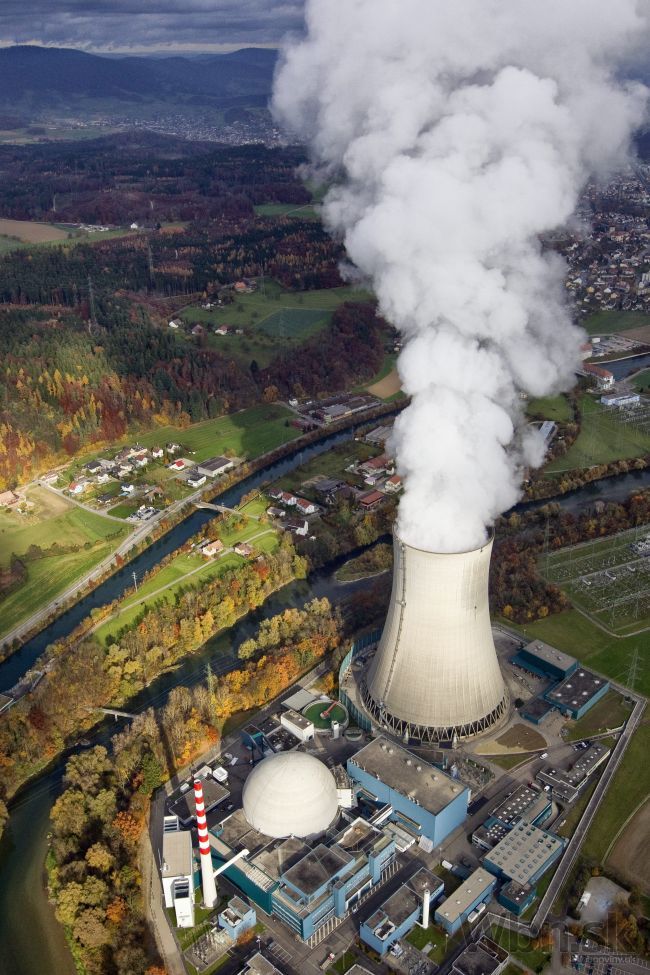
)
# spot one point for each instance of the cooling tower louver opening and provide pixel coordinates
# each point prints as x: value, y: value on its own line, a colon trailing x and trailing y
x: 435, y: 674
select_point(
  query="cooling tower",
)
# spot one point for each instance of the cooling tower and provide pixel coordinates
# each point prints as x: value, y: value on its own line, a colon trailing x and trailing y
x: 435, y: 673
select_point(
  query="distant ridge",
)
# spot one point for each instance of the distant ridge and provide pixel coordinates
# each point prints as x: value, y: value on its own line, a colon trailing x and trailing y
x: 34, y: 78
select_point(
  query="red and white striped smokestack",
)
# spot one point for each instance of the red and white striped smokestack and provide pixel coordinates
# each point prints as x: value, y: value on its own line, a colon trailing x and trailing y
x: 207, y: 870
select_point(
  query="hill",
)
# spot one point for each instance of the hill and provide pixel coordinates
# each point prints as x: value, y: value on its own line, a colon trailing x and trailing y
x: 36, y: 79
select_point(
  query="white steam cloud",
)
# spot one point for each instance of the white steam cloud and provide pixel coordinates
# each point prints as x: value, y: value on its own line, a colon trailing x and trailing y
x: 457, y: 131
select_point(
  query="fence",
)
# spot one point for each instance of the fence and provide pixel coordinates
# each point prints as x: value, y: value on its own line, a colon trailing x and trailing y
x: 358, y: 646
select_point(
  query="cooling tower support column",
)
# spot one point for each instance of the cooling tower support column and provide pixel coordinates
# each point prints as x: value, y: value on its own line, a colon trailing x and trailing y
x: 435, y: 674
x: 207, y: 870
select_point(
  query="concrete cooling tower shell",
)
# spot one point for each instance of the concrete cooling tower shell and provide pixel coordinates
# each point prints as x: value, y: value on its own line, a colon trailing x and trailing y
x: 435, y: 673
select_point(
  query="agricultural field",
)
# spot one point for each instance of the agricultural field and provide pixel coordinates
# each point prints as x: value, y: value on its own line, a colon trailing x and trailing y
x: 577, y: 635
x: 306, y: 211
x: 606, y: 579
x: 606, y: 435
x: 273, y: 320
x: 52, y: 519
x: 20, y: 234
x: 641, y: 381
x: 332, y: 463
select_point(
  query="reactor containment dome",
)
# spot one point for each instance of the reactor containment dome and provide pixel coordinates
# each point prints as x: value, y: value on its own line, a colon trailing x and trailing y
x: 435, y: 674
x: 291, y: 794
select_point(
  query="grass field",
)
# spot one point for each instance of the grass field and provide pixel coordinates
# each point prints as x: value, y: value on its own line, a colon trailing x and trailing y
x: 274, y: 320
x: 605, y: 435
x: 575, y: 634
x: 247, y: 434
x: 606, y: 579
x: 305, y: 211
x: 52, y: 519
x: 610, y: 712
x: 550, y: 408
x: 332, y: 463
x: 603, y: 322
x: 30, y: 232
x: 630, y: 786
x: 641, y: 381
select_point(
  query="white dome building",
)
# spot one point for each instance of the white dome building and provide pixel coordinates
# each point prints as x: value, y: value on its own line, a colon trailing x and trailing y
x: 291, y: 794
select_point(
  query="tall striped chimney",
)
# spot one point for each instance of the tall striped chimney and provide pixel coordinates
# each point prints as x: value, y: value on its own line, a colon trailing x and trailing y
x: 207, y: 870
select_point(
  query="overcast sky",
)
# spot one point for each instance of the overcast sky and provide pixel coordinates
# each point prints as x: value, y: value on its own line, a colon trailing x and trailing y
x: 155, y: 25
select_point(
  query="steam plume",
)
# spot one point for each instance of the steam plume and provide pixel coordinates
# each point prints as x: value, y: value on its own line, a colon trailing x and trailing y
x: 456, y: 133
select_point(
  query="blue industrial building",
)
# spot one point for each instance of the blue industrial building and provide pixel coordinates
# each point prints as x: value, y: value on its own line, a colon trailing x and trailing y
x: 456, y: 909
x: 545, y: 661
x: 423, y: 799
x: 399, y: 913
x: 524, y: 854
x: 515, y: 897
x: 302, y: 884
x: 237, y: 918
x: 575, y: 695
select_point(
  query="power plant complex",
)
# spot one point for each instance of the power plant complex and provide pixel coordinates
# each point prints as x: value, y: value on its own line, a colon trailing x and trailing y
x: 435, y: 675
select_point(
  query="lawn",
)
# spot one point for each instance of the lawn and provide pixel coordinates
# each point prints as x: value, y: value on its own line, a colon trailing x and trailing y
x: 332, y: 463
x: 550, y: 408
x: 52, y: 519
x: 604, y: 322
x: 521, y: 948
x: 603, y: 438
x: 344, y: 962
x: 434, y: 935
x: 610, y: 712
x: 508, y: 762
x: 629, y: 787
x: 575, y: 812
x: 304, y: 211
x: 575, y: 634
x: 247, y: 433
x: 641, y: 381
x: 48, y: 578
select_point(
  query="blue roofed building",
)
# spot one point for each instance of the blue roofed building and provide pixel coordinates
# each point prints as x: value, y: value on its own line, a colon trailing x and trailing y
x: 452, y: 912
x: 395, y: 917
x: 423, y: 799
x: 237, y: 918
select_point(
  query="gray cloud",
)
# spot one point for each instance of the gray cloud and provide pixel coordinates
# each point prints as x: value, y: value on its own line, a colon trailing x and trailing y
x: 149, y: 24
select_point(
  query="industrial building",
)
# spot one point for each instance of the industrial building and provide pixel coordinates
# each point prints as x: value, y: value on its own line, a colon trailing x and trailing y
x: 399, y: 913
x: 545, y: 661
x: 237, y: 918
x: 472, y: 893
x: 524, y: 854
x: 515, y: 897
x: 567, y: 783
x: 482, y: 957
x: 177, y: 872
x: 424, y: 800
x: 523, y: 805
x: 577, y: 693
x: 182, y: 803
x: 297, y: 724
x: 214, y: 466
x: 299, y: 859
x: 435, y: 674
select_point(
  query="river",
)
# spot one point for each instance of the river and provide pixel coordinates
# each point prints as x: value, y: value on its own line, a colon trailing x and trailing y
x: 31, y: 941
x: 622, y: 368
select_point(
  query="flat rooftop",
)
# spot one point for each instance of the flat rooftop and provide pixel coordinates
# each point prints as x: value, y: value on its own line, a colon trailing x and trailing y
x: 549, y: 655
x: 297, y: 719
x: 516, y: 893
x: 576, y: 690
x: 536, y: 709
x: 259, y: 965
x: 408, y: 774
x: 359, y: 837
x: 316, y: 868
x: 279, y: 856
x: 524, y: 851
x: 515, y: 805
x: 182, y: 804
x: 480, y: 958
x: 461, y: 900
x: 395, y: 909
x: 588, y: 761
x: 299, y: 700
x: 177, y: 854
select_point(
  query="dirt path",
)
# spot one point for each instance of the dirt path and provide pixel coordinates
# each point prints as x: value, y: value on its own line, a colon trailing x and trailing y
x: 387, y: 386
x: 631, y: 856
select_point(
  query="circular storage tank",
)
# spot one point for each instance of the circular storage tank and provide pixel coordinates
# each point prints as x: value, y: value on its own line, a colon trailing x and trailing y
x: 290, y: 795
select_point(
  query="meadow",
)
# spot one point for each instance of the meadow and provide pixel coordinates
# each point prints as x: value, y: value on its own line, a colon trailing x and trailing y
x: 604, y: 322
x: 604, y: 437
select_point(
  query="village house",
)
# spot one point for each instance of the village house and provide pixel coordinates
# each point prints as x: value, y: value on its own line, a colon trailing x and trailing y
x: 210, y: 549
x: 177, y: 465
x: 376, y: 466
x: 305, y: 507
x: 198, y: 330
x: 8, y: 498
x: 370, y: 500
x: 93, y: 466
x: 128, y: 488
x: 173, y: 448
x: 275, y: 512
x: 196, y: 480
x: 222, y: 330
x: 243, y: 548
x: 78, y: 487
x: 157, y: 453
x: 393, y: 484
x: 298, y: 526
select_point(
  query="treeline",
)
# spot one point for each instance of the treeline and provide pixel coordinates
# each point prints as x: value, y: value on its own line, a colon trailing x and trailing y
x: 85, y: 675
x: 98, y: 820
x: 143, y: 177
x: 64, y: 387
